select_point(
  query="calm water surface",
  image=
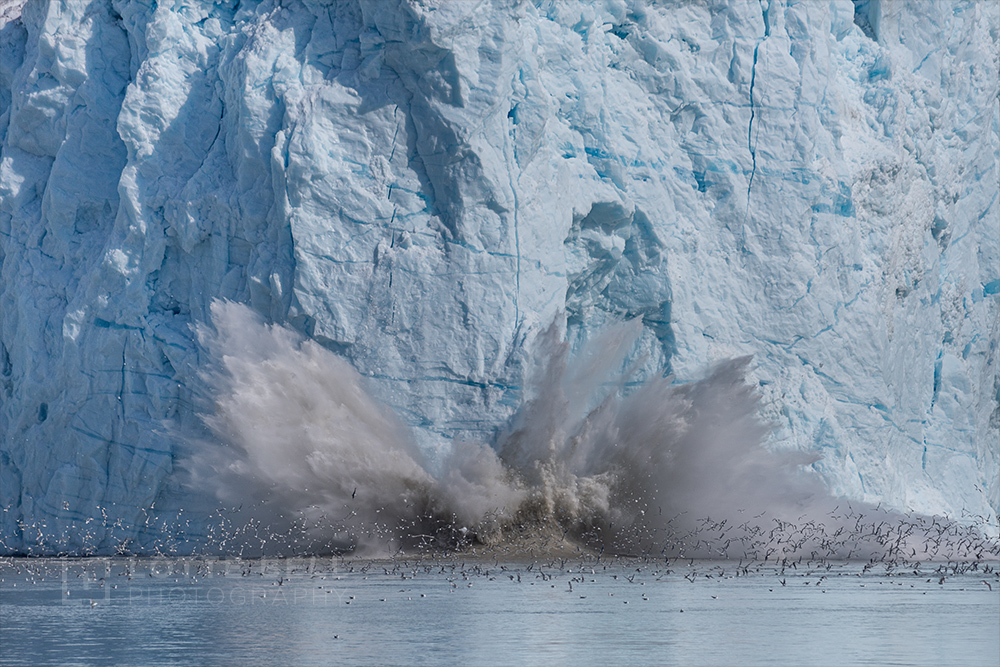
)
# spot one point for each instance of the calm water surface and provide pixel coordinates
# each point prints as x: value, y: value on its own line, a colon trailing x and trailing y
x: 322, y: 612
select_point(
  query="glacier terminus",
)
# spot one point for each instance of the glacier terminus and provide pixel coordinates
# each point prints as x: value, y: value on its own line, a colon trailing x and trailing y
x: 423, y: 187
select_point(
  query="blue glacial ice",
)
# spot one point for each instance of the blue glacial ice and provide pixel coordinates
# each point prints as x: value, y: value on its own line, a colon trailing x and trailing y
x: 423, y: 187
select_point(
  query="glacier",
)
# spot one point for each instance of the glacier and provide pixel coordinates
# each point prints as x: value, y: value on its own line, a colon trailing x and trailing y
x: 421, y: 188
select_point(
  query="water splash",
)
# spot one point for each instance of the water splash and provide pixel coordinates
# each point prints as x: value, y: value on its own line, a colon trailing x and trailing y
x: 313, y: 464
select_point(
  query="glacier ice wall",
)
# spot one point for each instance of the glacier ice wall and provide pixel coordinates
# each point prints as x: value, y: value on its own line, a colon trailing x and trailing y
x: 421, y: 187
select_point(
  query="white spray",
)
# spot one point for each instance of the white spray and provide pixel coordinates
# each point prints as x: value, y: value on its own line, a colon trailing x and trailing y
x: 318, y: 465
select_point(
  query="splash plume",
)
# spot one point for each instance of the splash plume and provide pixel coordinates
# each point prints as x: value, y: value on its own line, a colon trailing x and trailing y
x: 318, y: 465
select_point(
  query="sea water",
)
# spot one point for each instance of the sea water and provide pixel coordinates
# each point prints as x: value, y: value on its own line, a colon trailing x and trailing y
x: 460, y: 610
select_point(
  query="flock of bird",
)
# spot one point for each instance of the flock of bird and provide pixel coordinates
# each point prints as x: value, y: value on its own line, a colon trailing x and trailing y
x: 845, y: 533
x: 92, y: 578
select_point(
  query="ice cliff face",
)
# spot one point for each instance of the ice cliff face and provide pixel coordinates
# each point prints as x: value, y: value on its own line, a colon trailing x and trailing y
x: 422, y: 187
